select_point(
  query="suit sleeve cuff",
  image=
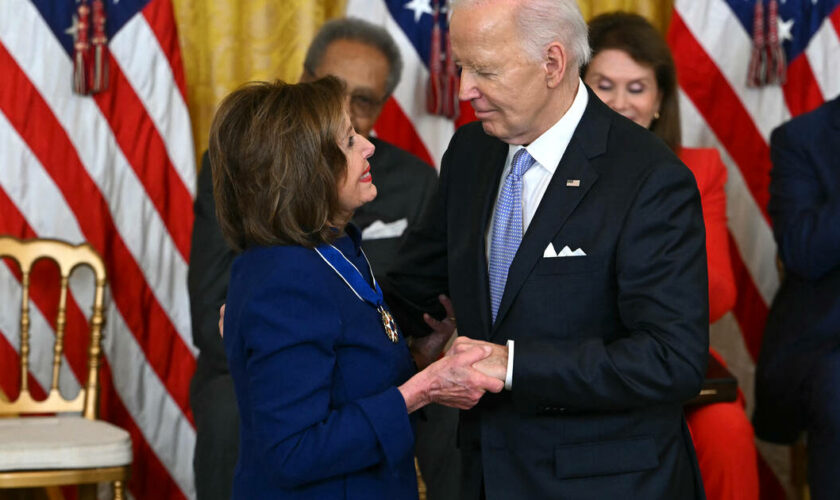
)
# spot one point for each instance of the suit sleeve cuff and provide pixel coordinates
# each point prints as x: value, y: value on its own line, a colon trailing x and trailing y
x: 389, y: 419
x: 509, y: 373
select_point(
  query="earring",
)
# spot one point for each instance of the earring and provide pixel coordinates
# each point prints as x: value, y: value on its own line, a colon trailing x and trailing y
x: 656, y: 115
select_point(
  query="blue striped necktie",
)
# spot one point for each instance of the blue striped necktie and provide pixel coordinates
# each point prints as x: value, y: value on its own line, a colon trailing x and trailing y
x: 507, y: 228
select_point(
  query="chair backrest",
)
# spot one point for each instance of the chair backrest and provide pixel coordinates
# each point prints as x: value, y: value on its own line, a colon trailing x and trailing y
x: 67, y: 257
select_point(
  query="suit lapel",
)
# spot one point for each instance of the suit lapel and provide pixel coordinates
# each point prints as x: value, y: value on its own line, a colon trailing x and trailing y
x: 560, y: 200
x: 557, y: 204
x: 491, y: 165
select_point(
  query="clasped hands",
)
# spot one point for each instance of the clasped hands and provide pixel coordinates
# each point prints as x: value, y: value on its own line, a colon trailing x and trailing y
x: 468, y: 369
x: 466, y: 372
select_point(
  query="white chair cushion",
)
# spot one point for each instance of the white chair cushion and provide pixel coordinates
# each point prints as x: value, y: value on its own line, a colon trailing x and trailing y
x: 61, y: 443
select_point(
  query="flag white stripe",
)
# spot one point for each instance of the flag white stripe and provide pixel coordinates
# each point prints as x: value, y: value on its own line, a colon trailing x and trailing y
x: 747, y: 224
x: 435, y: 131
x: 146, y: 67
x: 133, y: 213
x: 159, y: 418
x: 823, y: 53
x: 722, y: 36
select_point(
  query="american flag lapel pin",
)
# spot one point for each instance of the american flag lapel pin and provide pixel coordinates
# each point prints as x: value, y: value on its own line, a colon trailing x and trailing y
x: 573, y: 183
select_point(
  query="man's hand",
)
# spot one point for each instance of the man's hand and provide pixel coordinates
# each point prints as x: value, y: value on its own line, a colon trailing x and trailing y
x: 451, y: 381
x: 427, y: 349
x: 494, y: 365
x: 222, y: 321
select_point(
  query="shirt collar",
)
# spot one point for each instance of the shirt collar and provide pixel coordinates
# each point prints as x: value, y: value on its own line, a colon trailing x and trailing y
x: 548, y: 148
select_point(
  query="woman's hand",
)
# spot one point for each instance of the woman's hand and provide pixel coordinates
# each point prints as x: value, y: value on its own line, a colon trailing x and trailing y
x: 429, y: 348
x: 451, y: 381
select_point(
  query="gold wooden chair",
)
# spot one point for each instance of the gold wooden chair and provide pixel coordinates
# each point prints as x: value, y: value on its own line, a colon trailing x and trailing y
x: 72, y: 447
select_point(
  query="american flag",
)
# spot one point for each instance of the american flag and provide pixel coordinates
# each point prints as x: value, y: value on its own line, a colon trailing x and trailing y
x: 404, y: 121
x: 115, y: 169
x: 712, y: 42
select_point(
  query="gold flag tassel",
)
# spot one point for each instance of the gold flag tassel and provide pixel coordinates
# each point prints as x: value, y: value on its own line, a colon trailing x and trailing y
x: 81, y: 49
x: 757, y: 72
x: 100, y: 47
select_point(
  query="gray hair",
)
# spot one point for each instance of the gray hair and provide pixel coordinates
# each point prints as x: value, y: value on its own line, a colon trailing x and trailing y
x: 358, y: 30
x: 541, y: 22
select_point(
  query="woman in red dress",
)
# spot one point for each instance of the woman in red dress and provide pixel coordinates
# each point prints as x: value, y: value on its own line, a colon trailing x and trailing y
x: 632, y: 71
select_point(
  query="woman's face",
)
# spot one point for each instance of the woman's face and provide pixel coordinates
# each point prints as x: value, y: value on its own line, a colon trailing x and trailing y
x: 624, y: 85
x: 357, y: 187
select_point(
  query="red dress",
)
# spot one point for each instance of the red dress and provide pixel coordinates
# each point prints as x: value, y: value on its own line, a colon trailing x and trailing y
x: 722, y: 433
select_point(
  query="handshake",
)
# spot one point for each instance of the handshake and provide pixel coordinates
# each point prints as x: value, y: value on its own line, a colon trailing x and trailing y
x: 462, y: 376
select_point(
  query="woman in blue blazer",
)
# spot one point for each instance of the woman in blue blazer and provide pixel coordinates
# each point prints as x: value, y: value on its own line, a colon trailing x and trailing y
x: 324, y: 381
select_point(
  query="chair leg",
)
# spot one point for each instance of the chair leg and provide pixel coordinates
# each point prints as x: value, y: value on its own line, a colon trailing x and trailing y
x: 119, y: 490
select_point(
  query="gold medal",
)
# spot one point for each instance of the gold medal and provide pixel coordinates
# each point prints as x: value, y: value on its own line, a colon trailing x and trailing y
x: 389, y: 324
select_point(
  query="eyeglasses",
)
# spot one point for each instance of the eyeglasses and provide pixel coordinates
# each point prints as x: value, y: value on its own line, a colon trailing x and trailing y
x: 364, y: 104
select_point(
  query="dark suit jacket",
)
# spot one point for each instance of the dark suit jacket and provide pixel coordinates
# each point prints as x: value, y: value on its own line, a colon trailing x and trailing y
x: 607, y: 346
x: 315, y: 377
x: 804, y: 319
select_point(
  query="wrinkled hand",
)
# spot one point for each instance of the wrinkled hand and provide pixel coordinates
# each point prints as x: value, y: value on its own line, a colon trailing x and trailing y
x: 222, y: 321
x: 494, y: 365
x: 451, y: 381
x: 427, y: 349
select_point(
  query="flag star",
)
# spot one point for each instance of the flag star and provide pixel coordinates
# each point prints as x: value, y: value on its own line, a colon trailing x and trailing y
x: 785, y: 29
x: 420, y: 7
x: 74, y: 28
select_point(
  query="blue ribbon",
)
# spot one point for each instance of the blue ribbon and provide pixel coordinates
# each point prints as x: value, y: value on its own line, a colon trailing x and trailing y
x: 354, y: 279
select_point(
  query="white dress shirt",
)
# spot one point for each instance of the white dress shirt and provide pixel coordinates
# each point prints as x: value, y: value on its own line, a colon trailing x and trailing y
x: 547, y: 150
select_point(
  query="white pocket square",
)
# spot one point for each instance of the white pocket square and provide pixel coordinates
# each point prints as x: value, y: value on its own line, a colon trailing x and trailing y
x: 565, y: 252
x: 379, y: 230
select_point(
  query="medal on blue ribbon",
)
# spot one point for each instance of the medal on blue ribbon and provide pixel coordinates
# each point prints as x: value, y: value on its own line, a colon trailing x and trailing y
x: 353, y: 278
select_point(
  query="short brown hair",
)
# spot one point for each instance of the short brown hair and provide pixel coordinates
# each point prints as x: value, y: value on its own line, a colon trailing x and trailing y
x: 276, y: 163
x: 634, y: 35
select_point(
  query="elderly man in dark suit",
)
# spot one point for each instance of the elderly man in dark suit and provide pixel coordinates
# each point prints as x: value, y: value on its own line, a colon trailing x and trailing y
x: 797, y: 384
x: 571, y: 241
x: 366, y: 58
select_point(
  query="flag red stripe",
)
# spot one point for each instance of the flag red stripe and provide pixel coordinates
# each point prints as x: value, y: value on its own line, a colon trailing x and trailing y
x: 801, y: 90
x: 160, y: 16
x: 146, y: 152
x: 148, y: 470
x: 769, y: 486
x: 395, y: 127
x: 750, y: 310
x: 9, y: 369
x: 165, y: 351
x: 720, y: 106
x: 466, y: 114
x: 835, y: 20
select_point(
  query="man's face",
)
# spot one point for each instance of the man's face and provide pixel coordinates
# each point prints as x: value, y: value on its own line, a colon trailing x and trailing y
x: 507, y: 89
x: 364, y: 69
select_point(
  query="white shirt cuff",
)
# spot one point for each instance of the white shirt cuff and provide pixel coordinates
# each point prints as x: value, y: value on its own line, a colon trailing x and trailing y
x: 509, y: 373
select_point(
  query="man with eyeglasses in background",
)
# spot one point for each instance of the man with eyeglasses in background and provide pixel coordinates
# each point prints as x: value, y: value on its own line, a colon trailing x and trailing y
x: 366, y: 58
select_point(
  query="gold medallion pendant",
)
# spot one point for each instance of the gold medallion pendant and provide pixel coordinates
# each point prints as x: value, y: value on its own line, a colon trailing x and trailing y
x: 389, y: 324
